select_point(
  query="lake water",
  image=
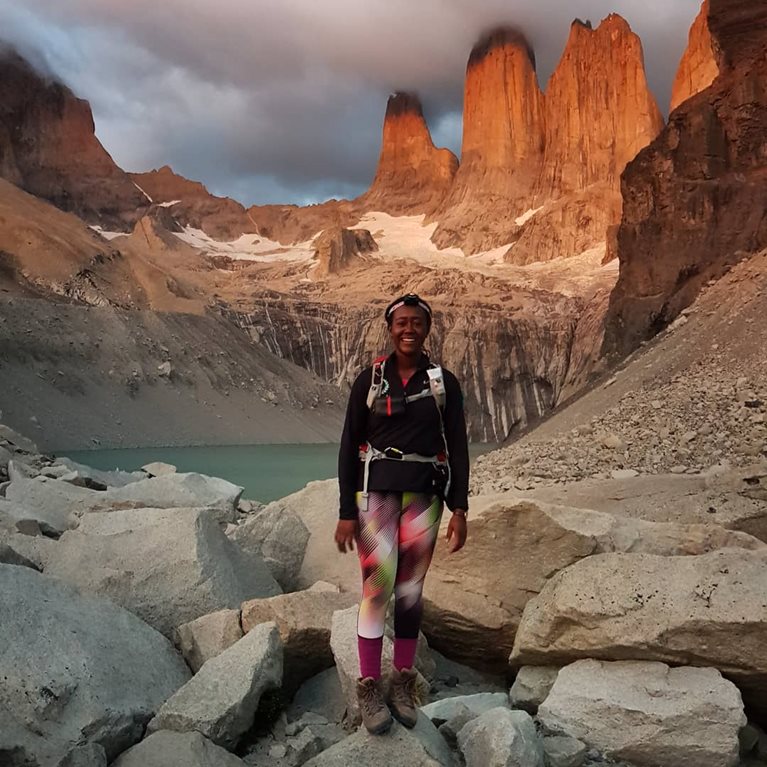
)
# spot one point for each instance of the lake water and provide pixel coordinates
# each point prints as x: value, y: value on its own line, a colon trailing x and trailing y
x: 267, y: 472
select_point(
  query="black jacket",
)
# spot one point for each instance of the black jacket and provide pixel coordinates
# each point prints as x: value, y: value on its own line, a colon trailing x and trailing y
x: 417, y: 430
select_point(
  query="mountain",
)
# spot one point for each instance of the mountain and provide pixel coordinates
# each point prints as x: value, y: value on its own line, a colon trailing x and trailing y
x: 698, y: 67
x: 413, y: 176
x: 193, y: 205
x: 694, y: 200
x: 541, y: 171
x: 502, y: 146
x: 599, y: 114
x: 48, y: 147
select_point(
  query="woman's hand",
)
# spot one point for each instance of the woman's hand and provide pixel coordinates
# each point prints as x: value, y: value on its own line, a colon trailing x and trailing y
x: 456, y: 531
x: 346, y: 532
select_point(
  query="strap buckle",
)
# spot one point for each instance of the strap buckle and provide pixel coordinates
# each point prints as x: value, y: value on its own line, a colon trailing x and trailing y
x: 393, y: 454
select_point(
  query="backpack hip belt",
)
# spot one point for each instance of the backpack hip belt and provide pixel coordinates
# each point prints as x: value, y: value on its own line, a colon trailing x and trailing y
x: 368, y: 454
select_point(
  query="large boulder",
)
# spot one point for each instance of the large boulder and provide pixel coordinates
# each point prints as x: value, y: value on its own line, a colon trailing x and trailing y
x: 37, y: 549
x: 647, y: 713
x: 90, y: 476
x: 422, y: 746
x: 501, y: 737
x: 75, y: 669
x: 178, y: 490
x: 280, y: 537
x: 316, y: 505
x: 532, y: 686
x: 53, y: 504
x: 221, y: 700
x: 343, y: 643
x: 169, y: 566
x: 208, y: 636
x: 707, y: 610
x: 304, y: 619
x: 177, y: 749
x: 470, y: 605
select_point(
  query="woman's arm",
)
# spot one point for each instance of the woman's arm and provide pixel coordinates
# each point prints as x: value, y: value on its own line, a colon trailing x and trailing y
x: 354, y: 434
x: 457, y: 445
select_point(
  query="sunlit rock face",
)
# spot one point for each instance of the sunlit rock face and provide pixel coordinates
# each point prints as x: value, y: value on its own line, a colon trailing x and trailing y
x: 412, y: 175
x: 48, y: 147
x: 694, y: 200
x: 502, y: 147
x: 559, y: 154
x: 698, y: 67
x: 191, y: 204
x: 599, y: 114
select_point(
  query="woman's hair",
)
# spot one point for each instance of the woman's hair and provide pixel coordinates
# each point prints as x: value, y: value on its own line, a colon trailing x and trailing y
x: 411, y: 299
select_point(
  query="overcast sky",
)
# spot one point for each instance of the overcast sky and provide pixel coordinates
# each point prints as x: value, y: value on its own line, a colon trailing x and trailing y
x: 283, y: 100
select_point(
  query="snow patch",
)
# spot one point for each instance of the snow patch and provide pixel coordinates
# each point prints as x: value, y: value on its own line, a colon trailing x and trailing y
x: 143, y: 192
x: 105, y: 234
x: 168, y: 204
x: 526, y: 216
x: 247, y: 247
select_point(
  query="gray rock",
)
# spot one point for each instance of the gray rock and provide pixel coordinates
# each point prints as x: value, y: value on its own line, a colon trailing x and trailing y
x: 115, y: 478
x: 36, y: 549
x: 422, y: 746
x: 208, y: 636
x: 180, y: 490
x: 304, y: 619
x: 17, y: 440
x: 532, y: 685
x: 19, y: 470
x: 104, y: 674
x: 449, y: 730
x: 501, y: 737
x: 5, y: 457
x: 55, y: 471
x: 10, y: 556
x: 280, y: 537
x: 343, y: 643
x: 169, y: 566
x: 221, y: 700
x: 177, y: 749
x: 447, y: 708
x: 647, y: 713
x: 159, y: 469
x: 51, y: 503
x: 305, y: 745
x: 86, y: 755
x: 706, y: 609
x: 563, y: 751
x: 321, y: 695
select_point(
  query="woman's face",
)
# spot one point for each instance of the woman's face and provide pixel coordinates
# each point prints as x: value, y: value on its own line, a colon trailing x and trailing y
x: 409, y: 328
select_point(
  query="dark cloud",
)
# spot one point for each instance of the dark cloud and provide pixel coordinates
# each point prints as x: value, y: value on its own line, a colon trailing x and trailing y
x: 273, y: 101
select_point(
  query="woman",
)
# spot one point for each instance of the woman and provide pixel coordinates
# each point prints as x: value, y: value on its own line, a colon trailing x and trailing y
x: 403, y: 453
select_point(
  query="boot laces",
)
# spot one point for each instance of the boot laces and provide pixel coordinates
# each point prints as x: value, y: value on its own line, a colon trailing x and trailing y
x: 371, y: 698
x: 406, y: 690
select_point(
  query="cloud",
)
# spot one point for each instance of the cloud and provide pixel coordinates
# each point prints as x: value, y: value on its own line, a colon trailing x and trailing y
x: 282, y: 100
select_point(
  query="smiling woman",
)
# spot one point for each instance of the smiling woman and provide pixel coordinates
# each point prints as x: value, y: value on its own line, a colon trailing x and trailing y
x: 403, y: 455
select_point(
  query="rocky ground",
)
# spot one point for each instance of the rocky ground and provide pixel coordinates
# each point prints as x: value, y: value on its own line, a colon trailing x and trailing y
x: 693, y: 399
x: 213, y: 630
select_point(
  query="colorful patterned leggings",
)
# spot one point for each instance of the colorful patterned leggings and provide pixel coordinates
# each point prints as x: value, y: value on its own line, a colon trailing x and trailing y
x: 395, y: 544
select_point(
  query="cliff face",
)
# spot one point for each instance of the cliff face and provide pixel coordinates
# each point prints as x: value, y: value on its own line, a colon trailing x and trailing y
x: 698, y: 67
x: 502, y: 147
x: 512, y: 365
x: 337, y: 248
x: 48, y: 147
x: 694, y: 201
x: 413, y: 175
x: 560, y: 154
x: 193, y: 205
x: 599, y: 114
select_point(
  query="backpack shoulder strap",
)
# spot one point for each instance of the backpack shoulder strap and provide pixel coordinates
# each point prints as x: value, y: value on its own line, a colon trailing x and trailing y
x: 376, y: 381
x: 437, y: 385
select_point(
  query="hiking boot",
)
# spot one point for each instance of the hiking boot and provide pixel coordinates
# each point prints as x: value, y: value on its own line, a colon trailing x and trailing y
x: 403, y: 697
x: 375, y: 713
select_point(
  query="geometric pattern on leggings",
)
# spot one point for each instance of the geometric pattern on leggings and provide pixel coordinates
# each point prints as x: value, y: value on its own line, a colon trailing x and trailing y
x: 395, y: 543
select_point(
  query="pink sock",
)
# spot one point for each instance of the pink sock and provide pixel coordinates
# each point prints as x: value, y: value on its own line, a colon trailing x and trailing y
x: 404, y: 653
x: 370, y: 656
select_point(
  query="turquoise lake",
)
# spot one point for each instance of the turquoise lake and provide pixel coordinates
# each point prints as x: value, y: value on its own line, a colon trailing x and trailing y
x: 267, y: 472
